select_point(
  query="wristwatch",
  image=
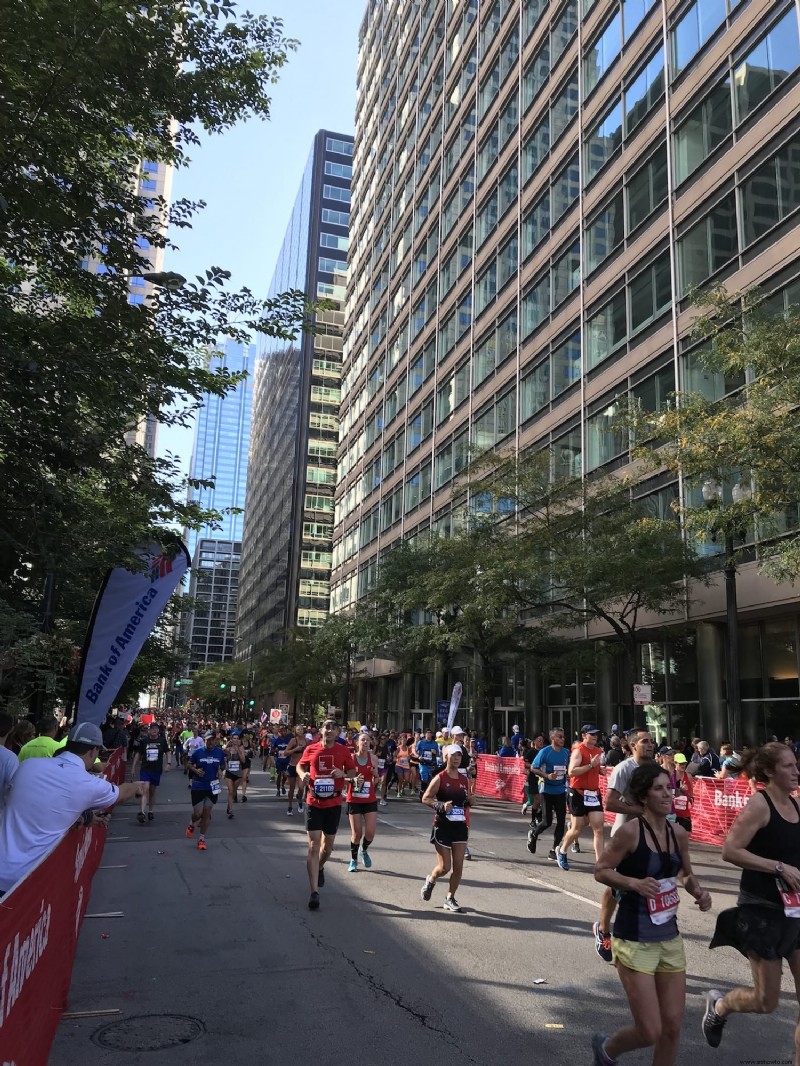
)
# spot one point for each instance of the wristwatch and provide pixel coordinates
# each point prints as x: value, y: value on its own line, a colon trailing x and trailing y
x: 779, y: 869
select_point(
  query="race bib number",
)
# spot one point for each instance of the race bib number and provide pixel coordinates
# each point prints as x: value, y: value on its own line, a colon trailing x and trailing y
x: 559, y: 771
x: 427, y: 756
x: 456, y: 815
x: 664, y: 905
x: 323, y: 787
x: 152, y: 754
x: 791, y: 900
x: 680, y: 803
x: 365, y: 791
x: 591, y: 799
x: 233, y: 766
x: 215, y: 788
x: 381, y: 764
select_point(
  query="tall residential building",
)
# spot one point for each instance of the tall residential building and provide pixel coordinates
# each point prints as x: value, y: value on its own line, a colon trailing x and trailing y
x: 537, y: 188
x: 288, y: 534
x: 221, y: 442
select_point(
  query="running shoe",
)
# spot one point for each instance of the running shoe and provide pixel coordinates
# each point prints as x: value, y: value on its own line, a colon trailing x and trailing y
x: 576, y: 848
x: 525, y: 807
x: 201, y: 845
x: 351, y: 869
x: 532, y: 840
x: 321, y: 878
x: 451, y: 904
x: 313, y: 903
x: 382, y: 803
x: 140, y: 818
x: 289, y: 810
x: 190, y: 830
x: 712, y: 1023
x: 427, y: 889
x: 468, y: 854
x: 561, y: 859
x: 552, y: 854
x: 244, y: 799
x: 299, y: 807
x: 230, y: 814
x: 600, y: 1057
x: 366, y: 858
x: 602, y: 943
x: 150, y: 816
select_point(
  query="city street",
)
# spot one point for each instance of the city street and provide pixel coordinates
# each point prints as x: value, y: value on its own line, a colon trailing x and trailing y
x: 225, y: 938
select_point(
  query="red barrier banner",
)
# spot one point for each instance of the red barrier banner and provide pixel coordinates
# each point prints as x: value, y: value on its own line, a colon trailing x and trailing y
x: 502, y: 779
x: 40, y: 918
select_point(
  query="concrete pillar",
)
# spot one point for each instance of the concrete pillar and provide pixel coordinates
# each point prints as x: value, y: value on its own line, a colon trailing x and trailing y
x: 710, y: 674
x: 534, y: 711
x: 382, y: 699
x: 605, y: 695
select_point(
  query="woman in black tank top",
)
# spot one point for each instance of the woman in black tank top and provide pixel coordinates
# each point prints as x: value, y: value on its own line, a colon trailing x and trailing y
x: 765, y: 926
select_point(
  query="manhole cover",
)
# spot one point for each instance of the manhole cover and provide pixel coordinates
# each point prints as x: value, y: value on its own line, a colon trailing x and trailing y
x: 149, y: 1032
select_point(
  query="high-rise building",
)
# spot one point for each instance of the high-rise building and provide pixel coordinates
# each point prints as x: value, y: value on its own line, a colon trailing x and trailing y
x: 221, y: 442
x: 537, y: 188
x: 288, y: 533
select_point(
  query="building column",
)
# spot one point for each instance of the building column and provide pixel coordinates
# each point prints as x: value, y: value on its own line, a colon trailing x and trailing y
x: 710, y: 675
x: 534, y: 711
x: 381, y: 706
x: 604, y: 693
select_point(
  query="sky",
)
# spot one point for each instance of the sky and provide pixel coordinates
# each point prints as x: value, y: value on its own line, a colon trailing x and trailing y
x: 249, y: 176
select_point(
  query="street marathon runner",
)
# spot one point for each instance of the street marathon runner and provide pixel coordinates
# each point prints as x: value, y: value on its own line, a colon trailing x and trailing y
x: 764, y: 842
x: 325, y: 766
x: 234, y: 762
x: 294, y: 749
x: 387, y: 762
x: 249, y: 745
x: 620, y: 801
x: 205, y: 765
x: 448, y: 794
x: 468, y: 769
x: 644, y: 862
x: 427, y: 753
x: 551, y: 764
x: 585, y: 804
x: 362, y: 804
x: 405, y: 753
x: 150, y: 753
x: 279, y: 744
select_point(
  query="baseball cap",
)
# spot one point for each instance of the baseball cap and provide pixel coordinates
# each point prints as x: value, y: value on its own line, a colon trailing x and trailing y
x: 586, y: 728
x: 451, y: 749
x: 309, y: 737
x: 236, y: 732
x: 365, y: 729
x: 680, y: 757
x: 458, y: 731
x: 153, y: 725
x: 208, y: 736
x: 666, y: 751
x: 86, y: 733
x: 515, y: 728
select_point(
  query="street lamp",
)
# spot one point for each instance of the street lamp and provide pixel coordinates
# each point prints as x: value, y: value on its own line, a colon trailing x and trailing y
x: 712, y: 497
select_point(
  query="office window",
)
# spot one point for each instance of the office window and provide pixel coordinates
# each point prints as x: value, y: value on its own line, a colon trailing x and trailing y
x: 605, y: 232
x: 566, y: 188
x: 532, y: 11
x: 333, y: 144
x: 338, y: 170
x: 633, y: 13
x: 605, y: 330
x: 566, y: 273
x: 708, y: 245
x: 443, y: 465
x: 536, y: 225
x: 647, y: 188
x: 566, y: 455
x: 336, y: 218
x: 564, y: 29
x: 644, y: 91
x: 650, y: 292
x: 489, y: 88
x: 535, y: 305
x: 485, y: 287
x: 507, y: 188
x: 536, y: 74
x: 771, y: 62
x: 564, y: 109
x: 535, y: 390
x: 604, y: 141
x: 604, y: 440
x: 484, y: 359
x: 483, y: 430
x: 507, y: 261
x: 692, y: 31
x: 656, y: 391
x: 771, y: 193
x: 535, y: 149
x: 332, y: 192
x: 147, y: 185
x: 703, y: 130
x: 505, y: 412
x: 602, y: 52
x: 487, y: 153
x: 565, y: 363
x: 487, y: 218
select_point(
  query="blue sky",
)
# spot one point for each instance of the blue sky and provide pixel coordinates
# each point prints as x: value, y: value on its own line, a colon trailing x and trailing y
x: 249, y: 176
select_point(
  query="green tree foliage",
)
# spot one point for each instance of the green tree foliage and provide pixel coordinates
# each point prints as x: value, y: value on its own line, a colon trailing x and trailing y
x: 207, y: 682
x: 91, y: 88
x: 749, y: 437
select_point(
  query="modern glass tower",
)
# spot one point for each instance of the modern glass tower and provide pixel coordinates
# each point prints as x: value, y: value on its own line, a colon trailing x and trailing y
x: 288, y: 532
x: 222, y: 438
x: 537, y: 188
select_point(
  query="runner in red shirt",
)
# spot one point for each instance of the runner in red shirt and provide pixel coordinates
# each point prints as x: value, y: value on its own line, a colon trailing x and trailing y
x: 585, y: 804
x: 324, y: 766
x: 362, y: 804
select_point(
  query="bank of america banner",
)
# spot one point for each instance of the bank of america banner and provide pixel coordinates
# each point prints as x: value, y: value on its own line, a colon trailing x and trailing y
x: 127, y: 608
x: 455, y: 699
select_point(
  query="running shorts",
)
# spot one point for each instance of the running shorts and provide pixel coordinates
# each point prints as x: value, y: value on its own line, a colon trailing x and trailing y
x: 450, y: 833
x: 203, y: 797
x: 291, y: 771
x: 663, y: 956
x: 753, y: 930
x: 323, y: 818
x: 578, y: 808
x: 150, y: 776
x: 362, y: 808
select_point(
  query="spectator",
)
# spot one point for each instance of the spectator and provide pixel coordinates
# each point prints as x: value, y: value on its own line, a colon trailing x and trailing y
x: 615, y: 754
x: 731, y: 762
x: 114, y: 736
x: 44, y: 745
x: 505, y: 751
x: 517, y: 738
x: 47, y: 797
x: 9, y: 763
x: 19, y: 736
x: 707, y: 763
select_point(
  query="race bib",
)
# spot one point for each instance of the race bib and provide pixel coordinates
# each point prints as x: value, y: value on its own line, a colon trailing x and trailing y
x: 365, y: 791
x: 456, y: 815
x: 427, y: 756
x: 591, y: 799
x: 233, y: 765
x: 680, y: 803
x: 215, y: 788
x: 791, y: 900
x: 665, y: 904
x: 152, y: 754
x: 559, y: 771
x: 381, y: 764
x: 323, y: 787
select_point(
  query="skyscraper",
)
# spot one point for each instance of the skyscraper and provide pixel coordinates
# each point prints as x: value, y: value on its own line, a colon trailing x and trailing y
x: 286, y: 552
x: 537, y: 188
x: 221, y: 442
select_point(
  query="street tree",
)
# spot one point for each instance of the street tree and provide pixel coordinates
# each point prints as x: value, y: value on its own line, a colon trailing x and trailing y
x: 220, y: 685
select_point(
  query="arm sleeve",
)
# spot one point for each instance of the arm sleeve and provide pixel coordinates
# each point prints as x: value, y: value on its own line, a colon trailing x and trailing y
x: 537, y: 762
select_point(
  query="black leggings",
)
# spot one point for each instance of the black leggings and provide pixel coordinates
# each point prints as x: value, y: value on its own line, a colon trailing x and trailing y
x: 554, y: 805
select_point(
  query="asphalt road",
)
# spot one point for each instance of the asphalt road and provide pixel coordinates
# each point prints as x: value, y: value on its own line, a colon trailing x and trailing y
x: 222, y: 944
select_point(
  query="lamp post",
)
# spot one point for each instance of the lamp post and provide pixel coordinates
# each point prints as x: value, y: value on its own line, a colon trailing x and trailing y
x: 712, y: 497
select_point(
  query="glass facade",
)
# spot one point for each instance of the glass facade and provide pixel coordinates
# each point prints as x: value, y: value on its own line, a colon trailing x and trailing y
x: 288, y: 533
x: 536, y: 188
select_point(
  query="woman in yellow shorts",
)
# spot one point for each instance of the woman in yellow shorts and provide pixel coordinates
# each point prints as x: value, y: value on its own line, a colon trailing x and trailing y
x: 644, y: 862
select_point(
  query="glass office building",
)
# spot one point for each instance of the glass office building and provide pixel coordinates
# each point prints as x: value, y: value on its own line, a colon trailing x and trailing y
x: 537, y: 188
x: 288, y: 533
x: 221, y: 443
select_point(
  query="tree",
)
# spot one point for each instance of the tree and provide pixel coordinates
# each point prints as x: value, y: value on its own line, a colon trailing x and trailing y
x: 218, y: 685
x: 90, y: 89
x: 739, y: 444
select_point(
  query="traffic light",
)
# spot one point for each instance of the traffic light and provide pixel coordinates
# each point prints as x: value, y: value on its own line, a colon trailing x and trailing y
x: 223, y: 685
x: 177, y: 684
x: 252, y: 703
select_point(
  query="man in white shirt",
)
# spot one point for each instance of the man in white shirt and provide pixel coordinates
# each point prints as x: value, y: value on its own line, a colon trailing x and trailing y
x: 48, y: 796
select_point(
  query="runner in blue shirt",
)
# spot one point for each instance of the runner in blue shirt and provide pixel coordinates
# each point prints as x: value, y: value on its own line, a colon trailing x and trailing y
x: 281, y: 760
x: 205, y: 766
x: 427, y: 751
x: 551, y: 765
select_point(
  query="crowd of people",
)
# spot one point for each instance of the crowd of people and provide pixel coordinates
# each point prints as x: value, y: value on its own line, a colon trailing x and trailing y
x: 48, y: 784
